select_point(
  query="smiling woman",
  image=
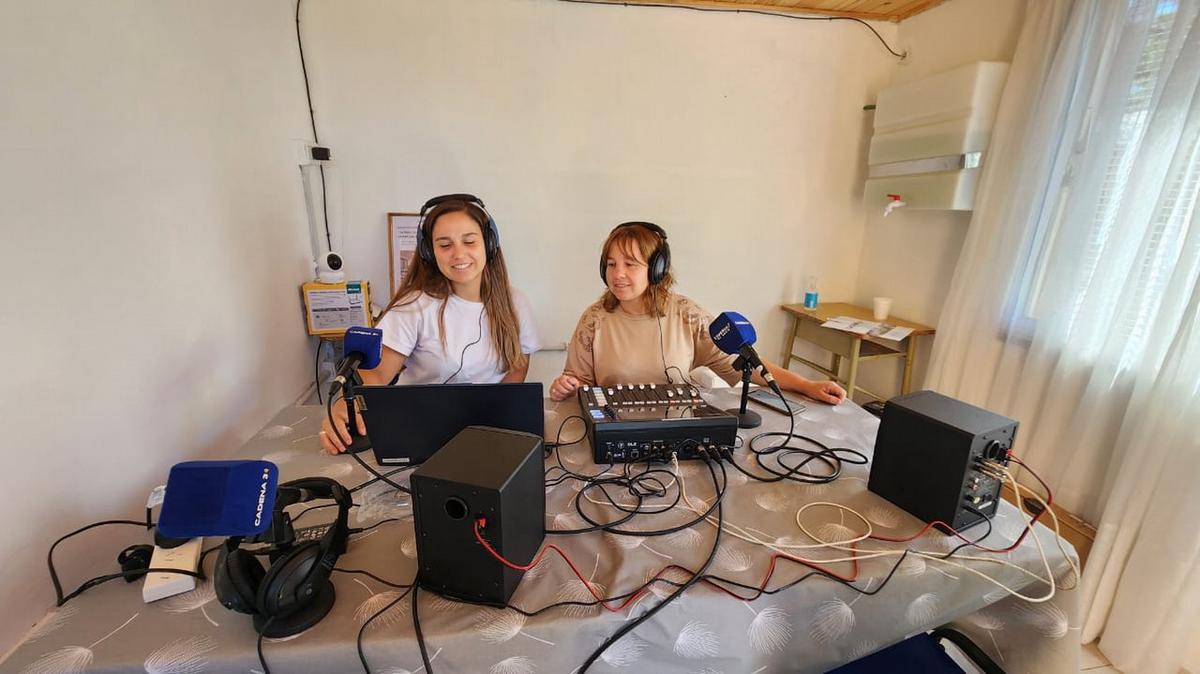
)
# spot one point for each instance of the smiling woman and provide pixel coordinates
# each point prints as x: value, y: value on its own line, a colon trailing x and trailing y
x: 455, y: 317
x: 641, y: 332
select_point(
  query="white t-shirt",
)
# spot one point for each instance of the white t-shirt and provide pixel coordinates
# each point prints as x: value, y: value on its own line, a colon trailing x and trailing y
x: 412, y: 331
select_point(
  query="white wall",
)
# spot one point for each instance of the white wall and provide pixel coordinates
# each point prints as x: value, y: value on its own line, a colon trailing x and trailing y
x: 741, y: 135
x: 151, y: 206
x: 153, y: 244
x: 910, y: 256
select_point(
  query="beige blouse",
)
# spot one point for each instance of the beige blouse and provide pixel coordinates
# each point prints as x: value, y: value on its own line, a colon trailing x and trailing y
x: 611, y: 348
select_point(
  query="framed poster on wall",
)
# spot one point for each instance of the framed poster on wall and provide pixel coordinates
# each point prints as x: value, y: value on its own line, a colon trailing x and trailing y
x: 402, y: 245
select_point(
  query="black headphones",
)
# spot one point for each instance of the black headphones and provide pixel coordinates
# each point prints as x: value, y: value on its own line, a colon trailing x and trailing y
x: 294, y: 593
x: 660, y: 260
x: 491, y: 236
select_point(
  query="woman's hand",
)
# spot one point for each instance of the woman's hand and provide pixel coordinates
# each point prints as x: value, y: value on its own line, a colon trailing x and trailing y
x: 334, y: 439
x: 825, y: 391
x: 563, y: 387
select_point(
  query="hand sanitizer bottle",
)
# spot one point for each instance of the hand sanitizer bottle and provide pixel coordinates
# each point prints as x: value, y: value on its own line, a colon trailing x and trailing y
x: 810, y: 293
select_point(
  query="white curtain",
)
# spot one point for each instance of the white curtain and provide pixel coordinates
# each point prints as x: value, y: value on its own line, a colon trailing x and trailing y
x: 1074, y: 306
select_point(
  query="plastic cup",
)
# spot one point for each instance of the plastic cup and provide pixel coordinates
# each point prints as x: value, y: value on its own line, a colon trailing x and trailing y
x: 882, y: 307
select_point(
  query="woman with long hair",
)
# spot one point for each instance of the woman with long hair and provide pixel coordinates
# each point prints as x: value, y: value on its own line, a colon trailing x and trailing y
x: 455, y: 317
x: 642, y: 332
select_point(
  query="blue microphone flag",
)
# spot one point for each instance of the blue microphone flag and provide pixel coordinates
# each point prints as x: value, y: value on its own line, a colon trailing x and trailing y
x: 218, y: 498
x: 731, y: 331
x: 368, y: 343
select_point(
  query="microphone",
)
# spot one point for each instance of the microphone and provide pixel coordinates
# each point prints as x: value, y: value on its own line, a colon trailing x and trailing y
x: 733, y: 334
x: 218, y: 498
x: 363, y: 348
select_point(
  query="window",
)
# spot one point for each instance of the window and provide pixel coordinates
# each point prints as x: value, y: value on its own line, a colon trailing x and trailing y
x: 1066, y: 274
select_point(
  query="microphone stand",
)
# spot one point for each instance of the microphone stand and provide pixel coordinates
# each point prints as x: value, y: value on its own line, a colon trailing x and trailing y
x: 746, y: 418
x: 358, y: 442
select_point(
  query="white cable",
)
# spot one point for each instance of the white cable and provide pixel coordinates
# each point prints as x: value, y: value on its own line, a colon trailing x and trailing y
x: 857, y: 556
x: 1058, y: 539
x: 674, y: 479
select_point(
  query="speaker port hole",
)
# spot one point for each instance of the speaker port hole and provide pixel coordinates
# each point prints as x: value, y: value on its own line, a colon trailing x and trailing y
x: 456, y: 508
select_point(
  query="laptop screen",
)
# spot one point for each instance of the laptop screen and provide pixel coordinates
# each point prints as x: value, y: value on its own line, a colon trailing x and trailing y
x: 407, y: 424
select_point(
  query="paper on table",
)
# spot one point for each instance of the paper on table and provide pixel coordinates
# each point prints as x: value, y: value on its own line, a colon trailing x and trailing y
x: 869, y: 328
x: 857, y: 326
x: 894, y: 333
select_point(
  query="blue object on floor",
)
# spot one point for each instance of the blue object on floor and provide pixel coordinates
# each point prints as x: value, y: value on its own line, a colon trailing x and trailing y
x: 923, y: 653
x: 917, y: 654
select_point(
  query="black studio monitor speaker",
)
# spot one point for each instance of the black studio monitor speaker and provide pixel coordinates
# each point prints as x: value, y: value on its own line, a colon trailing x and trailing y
x: 481, y: 472
x: 932, y: 456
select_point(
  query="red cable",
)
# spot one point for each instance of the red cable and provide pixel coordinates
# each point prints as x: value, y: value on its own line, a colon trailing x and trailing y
x: 1014, y: 546
x: 482, y: 522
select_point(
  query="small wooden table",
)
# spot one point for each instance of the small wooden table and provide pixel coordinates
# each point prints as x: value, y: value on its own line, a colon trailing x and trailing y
x: 806, y: 325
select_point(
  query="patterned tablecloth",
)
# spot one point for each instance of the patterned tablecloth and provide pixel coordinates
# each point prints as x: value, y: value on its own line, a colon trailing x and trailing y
x: 810, y: 627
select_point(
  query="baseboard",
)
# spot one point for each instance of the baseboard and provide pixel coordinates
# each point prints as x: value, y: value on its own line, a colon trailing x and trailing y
x: 307, y: 395
x: 1080, y: 534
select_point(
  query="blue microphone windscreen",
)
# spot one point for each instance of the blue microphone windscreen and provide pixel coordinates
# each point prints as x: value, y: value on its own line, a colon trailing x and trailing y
x: 368, y: 342
x: 731, y: 331
x: 218, y: 498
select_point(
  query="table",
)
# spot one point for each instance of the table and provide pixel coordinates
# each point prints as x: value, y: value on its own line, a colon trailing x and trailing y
x: 811, y: 627
x: 806, y: 325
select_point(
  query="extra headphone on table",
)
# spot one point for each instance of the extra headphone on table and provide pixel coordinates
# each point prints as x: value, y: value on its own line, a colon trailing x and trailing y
x: 660, y: 260
x: 491, y: 236
x: 295, y: 592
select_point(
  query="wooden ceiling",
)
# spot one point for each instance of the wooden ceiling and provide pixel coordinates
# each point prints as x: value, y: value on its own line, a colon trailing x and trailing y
x: 877, y: 10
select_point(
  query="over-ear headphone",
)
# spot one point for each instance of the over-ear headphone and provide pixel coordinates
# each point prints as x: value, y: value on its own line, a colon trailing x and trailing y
x: 491, y: 236
x: 660, y: 260
x: 295, y: 592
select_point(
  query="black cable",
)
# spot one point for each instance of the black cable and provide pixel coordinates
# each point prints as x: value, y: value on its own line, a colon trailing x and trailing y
x: 317, y: 364
x: 309, y: 509
x: 417, y: 628
x: 633, y: 624
x: 684, y: 376
x: 372, y: 576
x: 829, y: 456
x: 462, y: 357
x: 100, y: 580
x: 662, y: 350
x: 376, y: 479
x: 559, y: 444
x: 366, y: 529
x: 977, y: 541
x: 362, y: 657
x: 353, y: 455
x: 378, y: 475
x: 758, y: 592
x: 261, y: 660
x: 747, y: 11
x: 58, y: 591
x: 312, y: 117
x: 634, y: 486
x: 558, y: 436
x: 795, y: 473
x: 304, y: 69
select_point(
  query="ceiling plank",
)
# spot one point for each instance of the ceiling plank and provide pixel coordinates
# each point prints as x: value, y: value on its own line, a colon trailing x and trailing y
x: 888, y: 10
x: 915, y: 8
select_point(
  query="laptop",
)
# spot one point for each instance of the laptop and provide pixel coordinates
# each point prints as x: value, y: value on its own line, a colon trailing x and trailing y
x: 407, y: 424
